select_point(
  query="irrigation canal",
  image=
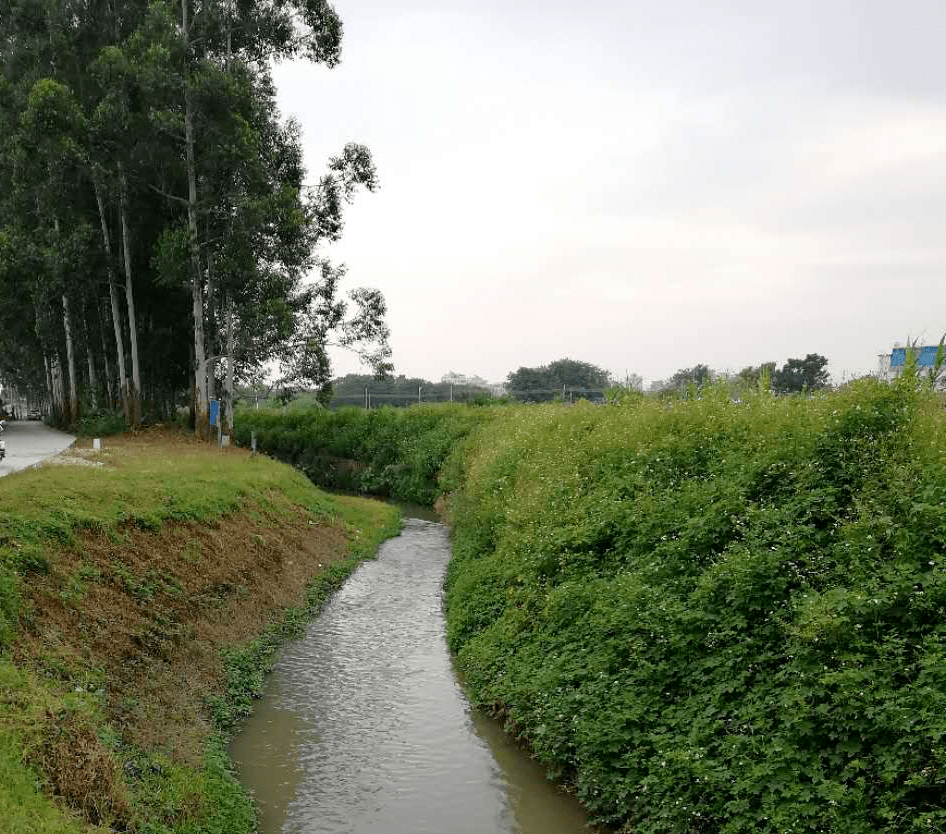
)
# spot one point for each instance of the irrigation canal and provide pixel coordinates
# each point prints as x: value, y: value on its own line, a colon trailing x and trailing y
x: 364, y: 729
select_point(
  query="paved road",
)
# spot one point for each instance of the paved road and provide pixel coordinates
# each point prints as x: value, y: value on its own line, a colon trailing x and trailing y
x: 29, y: 442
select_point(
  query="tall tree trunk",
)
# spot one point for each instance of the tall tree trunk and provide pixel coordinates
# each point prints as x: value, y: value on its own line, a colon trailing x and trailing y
x: 60, y: 389
x: 201, y: 406
x: 109, y: 390
x: 93, y: 377
x: 73, y: 407
x: 116, y: 316
x: 50, y: 398
x: 59, y: 406
x: 231, y: 349
x: 134, y: 395
x: 211, y: 334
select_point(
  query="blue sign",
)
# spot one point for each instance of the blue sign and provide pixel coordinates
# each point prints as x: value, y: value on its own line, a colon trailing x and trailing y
x: 214, y: 412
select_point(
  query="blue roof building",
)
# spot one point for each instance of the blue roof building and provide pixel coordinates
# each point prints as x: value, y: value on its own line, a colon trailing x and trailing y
x: 926, y: 356
x: 891, y: 364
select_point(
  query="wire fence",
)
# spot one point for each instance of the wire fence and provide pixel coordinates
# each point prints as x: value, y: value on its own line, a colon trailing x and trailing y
x: 376, y: 397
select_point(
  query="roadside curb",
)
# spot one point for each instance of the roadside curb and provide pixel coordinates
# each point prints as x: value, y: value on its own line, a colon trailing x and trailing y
x: 43, y: 459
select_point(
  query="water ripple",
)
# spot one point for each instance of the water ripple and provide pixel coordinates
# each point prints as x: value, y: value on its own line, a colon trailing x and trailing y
x: 364, y: 728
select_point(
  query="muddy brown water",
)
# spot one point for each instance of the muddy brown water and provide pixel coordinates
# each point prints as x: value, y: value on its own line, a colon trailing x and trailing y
x: 364, y: 727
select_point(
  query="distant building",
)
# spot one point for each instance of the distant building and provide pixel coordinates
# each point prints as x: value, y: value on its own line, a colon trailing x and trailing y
x: 890, y: 365
x: 497, y: 389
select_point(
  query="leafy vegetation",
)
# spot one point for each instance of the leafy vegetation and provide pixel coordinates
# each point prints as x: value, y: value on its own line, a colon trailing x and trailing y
x: 545, y: 383
x: 706, y: 613
x: 383, y: 451
x: 715, y: 616
x: 101, y: 424
x: 796, y: 375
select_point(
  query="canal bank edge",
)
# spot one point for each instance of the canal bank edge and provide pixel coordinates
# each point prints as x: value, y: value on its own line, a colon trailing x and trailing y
x: 141, y: 603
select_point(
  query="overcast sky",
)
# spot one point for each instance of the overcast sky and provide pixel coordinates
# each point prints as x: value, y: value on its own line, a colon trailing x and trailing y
x: 642, y: 185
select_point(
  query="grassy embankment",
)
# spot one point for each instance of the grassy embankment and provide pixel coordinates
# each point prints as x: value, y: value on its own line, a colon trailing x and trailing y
x: 142, y: 592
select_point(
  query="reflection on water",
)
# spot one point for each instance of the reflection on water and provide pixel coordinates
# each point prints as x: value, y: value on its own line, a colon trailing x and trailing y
x: 536, y: 805
x: 365, y: 729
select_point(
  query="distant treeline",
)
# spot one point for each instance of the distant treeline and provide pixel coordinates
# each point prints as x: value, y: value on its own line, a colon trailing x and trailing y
x: 367, y: 391
x: 364, y: 389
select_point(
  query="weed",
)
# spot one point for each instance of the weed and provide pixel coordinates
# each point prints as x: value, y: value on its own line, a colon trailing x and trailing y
x: 80, y: 769
x: 10, y: 604
x: 27, y: 559
x: 714, y: 616
x: 103, y: 424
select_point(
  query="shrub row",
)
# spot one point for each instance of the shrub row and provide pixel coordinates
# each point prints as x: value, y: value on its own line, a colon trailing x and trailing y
x: 712, y: 616
x: 396, y: 452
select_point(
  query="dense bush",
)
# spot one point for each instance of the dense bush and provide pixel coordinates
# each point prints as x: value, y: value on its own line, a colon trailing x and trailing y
x: 100, y: 424
x: 384, y: 451
x: 714, y: 616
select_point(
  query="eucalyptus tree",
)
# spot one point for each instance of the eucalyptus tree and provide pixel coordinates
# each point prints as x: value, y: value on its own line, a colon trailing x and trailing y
x: 121, y: 139
x: 222, y: 115
x: 21, y: 351
x: 49, y: 150
x: 324, y: 320
x: 264, y: 229
x: 142, y: 147
x: 45, y: 48
x: 250, y: 32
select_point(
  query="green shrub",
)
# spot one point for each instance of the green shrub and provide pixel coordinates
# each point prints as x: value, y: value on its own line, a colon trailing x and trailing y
x: 101, y: 424
x: 395, y: 452
x: 714, y: 616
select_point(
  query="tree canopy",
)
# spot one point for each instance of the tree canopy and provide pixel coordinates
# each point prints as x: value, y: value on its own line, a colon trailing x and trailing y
x: 684, y: 379
x: 797, y: 375
x: 546, y: 381
x: 158, y: 235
